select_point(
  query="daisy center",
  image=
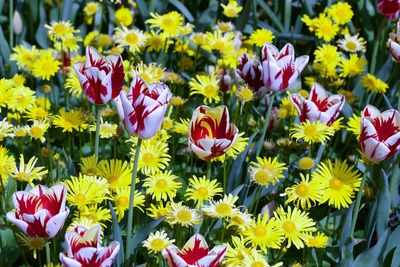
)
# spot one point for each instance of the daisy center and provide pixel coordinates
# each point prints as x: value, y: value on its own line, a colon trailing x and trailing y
x: 157, y: 244
x: 37, y: 132
x: 162, y: 184
x: 336, y: 183
x: 167, y: 22
x: 262, y: 177
x: 223, y: 209
x: 351, y: 46
x: 148, y: 157
x: 301, y: 190
x: 310, y: 130
x: 80, y: 198
x: 21, y: 176
x: 131, y: 38
x: 219, y: 45
x: 260, y: 231
x: 123, y: 202
x: 36, y: 243
x: 289, y: 227
x: 184, y: 216
x: 202, y: 192
x: 60, y: 29
x: 257, y: 264
x: 209, y: 90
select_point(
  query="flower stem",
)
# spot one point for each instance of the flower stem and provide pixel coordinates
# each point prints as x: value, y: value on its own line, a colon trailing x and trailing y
x: 48, y: 260
x: 131, y: 201
x: 358, y: 201
x: 209, y: 169
x: 96, y: 142
x: 266, y: 122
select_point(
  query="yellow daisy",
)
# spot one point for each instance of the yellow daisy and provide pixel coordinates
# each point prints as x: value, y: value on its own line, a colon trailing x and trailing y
x: 260, y: 37
x: 223, y: 208
x: 202, y: 189
x: 207, y: 86
x: 316, y: 132
x: 373, y: 84
x: 132, y: 38
x: 232, y: 9
x: 70, y: 120
x: 121, y: 200
x: 90, y: 166
x: 27, y: 172
x: 182, y: 215
x: 162, y: 185
x: 158, y: 241
x: 169, y: 23
x: 266, y: 171
x: 304, y: 193
x: 117, y: 172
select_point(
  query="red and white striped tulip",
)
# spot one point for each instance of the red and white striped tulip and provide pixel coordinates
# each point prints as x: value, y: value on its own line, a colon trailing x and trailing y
x: 40, y: 212
x: 250, y: 72
x: 281, y: 68
x: 101, y: 77
x: 84, y: 248
x: 319, y: 106
x: 389, y: 8
x: 194, y: 253
x: 380, y: 133
x: 142, y: 109
x: 210, y: 132
x: 394, y: 43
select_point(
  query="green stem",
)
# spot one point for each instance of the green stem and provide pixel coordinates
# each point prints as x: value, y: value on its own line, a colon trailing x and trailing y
x: 48, y: 260
x: 266, y: 122
x: 96, y: 142
x: 225, y: 175
x: 209, y: 169
x: 358, y: 201
x: 11, y: 31
x: 131, y: 201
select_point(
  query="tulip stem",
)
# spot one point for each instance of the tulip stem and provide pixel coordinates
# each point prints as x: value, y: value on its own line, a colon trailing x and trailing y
x: 48, y: 260
x: 358, y: 201
x: 266, y: 122
x: 96, y: 142
x: 209, y: 169
x: 131, y: 201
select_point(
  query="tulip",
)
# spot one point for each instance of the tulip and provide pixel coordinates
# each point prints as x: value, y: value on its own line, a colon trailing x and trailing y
x: 40, y: 212
x: 250, y: 72
x: 101, y: 77
x: 84, y: 248
x: 194, y: 253
x: 142, y: 109
x: 210, y: 133
x: 380, y: 133
x: 394, y: 43
x: 280, y: 69
x: 389, y: 8
x: 319, y: 106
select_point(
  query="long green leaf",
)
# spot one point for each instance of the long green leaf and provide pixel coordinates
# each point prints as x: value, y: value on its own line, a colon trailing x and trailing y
x: 383, y: 210
x: 117, y: 236
x: 373, y: 256
x: 271, y: 15
x: 182, y: 8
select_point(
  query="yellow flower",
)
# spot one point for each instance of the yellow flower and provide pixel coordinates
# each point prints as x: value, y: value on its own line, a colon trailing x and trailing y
x: 311, y: 23
x: 25, y: 57
x: 198, y: 38
x: 318, y: 241
x: 123, y: 16
x: 7, y: 164
x: 36, y: 112
x: 263, y: 233
x: 156, y: 41
x: 6, y: 92
x: 352, y: 44
x: 206, y: 85
x: 121, y: 200
x: 326, y: 29
x: 261, y: 36
x: 316, y: 132
x: 97, y: 215
x: 38, y: 129
x: 223, y: 208
x: 182, y: 215
x: 202, y: 189
x: 60, y: 30
x: 305, y: 163
x: 90, y: 166
x: 132, y: 38
x: 28, y: 172
x: 72, y: 84
x: 373, y: 84
x: 341, y: 13
x: 221, y: 42
x: 182, y: 127
x: 353, y: 66
x: 18, y: 79
x: 354, y: 125
x: 162, y: 185
x: 158, y: 211
x: 224, y: 26
x: 70, y: 43
x: 90, y: 10
x: 32, y: 243
x: 327, y: 55
x: 339, y: 182
x: 169, y: 23
x: 295, y: 225
x: 86, y: 190
x: 6, y: 129
x: 158, y: 241
x: 117, y: 172
x: 257, y: 259
x: 46, y: 66
x: 107, y: 130
x: 236, y: 252
x: 304, y: 193
x: 232, y: 9
x: 150, y: 73
x: 23, y: 98
x: 266, y: 171
x: 245, y: 94
x: 70, y: 120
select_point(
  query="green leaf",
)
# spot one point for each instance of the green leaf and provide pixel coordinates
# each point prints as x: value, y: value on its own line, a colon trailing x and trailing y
x: 142, y: 234
x: 396, y: 258
x: 9, y: 255
x: 70, y: 164
x: 11, y: 188
x: 383, y: 210
x: 373, y: 256
x: 66, y: 7
x: 393, y: 242
x: 244, y: 16
x: 271, y: 15
x: 182, y: 8
x: 41, y: 33
x: 117, y: 236
x: 143, y: 10
x: 346, y: 241
x: 288, y: 14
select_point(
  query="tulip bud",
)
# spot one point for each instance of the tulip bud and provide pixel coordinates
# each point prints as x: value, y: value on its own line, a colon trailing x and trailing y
x: 17, y: 23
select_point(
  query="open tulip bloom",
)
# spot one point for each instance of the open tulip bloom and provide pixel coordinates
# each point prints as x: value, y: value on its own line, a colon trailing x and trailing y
x: 250, y: 72
x: 380, y: 133
x: 210, y: 132
x: 40, y: 212
x: 84, y: 248
x: 319, y: 106
x: 194, y: 253
x: 280, y: 69
x: 389, y: 8
x: 142, y: 109
x: 101, y: 77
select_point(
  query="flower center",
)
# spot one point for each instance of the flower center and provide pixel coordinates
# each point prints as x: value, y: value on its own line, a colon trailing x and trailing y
x: 223, y: 209
x: 310, y: 130
x: 131, y: 38
x: 157, y: 244
x: 336, y: 183
x: 80, y: 198
x: 36, y: 243
x: 219, y: 45
x: 167, y: 22
x: 257, y: 264
x: 350, y: 45
x: 148, y: 157
x: 262, y: 177
x: 60, y: 29
x: 260, y: 231
x: 184, y: 216
x: 202, y: 192
x: 209, y: 90
x: 162, y: 184
x: 123, y: 202
x: 301, y: 190
x: 37, y: 132
x: 289, y: 227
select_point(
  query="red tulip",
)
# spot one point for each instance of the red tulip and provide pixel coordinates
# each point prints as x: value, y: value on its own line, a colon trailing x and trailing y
x: 380, y: 133
x: 319, y: 106
x: 40, y: 212
x: 210, y: 133
x: 142, y: 109
x: 389, y: 8
x: 394, y: 43
x: 250, y: 72
x: 280, y: 69
x: 194, y: 253
x: 101, y: 77
x: 84, y: 248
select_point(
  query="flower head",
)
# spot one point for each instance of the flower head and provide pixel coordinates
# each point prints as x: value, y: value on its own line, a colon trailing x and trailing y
x: 266, y: 171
